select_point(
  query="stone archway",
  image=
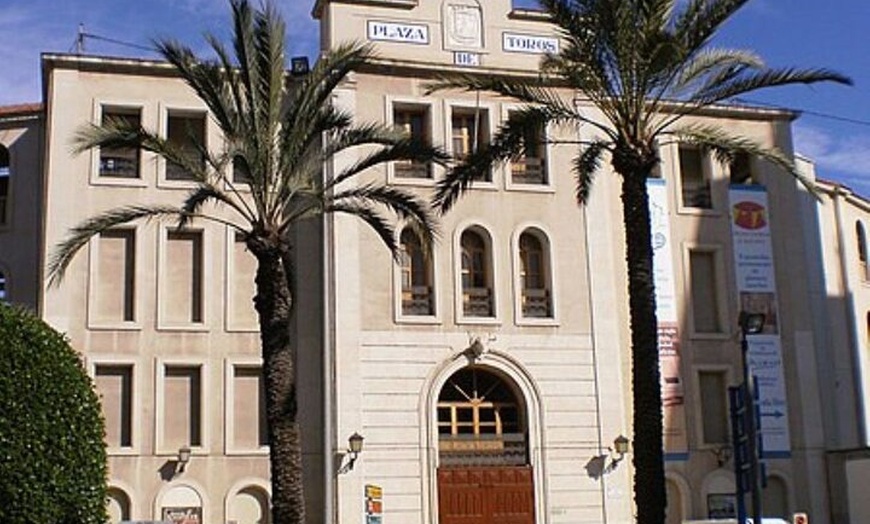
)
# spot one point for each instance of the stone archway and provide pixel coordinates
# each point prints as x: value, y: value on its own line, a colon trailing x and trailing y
x: 484, y: 474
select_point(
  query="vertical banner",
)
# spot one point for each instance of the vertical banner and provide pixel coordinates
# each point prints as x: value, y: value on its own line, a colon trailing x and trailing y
x: 673, y: 400
x: 756, y: 287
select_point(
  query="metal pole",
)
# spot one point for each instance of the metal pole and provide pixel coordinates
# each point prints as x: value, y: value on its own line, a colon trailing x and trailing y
x: 752, y: 444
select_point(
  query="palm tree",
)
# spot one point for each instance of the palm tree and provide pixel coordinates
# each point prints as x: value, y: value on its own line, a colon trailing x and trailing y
x: 646, y: 65
x: 279, y: 132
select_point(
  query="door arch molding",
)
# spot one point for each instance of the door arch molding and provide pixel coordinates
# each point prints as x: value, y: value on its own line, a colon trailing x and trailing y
x: 509, y: 368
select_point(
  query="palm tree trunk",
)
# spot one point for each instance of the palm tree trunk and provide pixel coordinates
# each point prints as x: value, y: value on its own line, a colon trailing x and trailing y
x: 649, y: 488
x: 275, y: 309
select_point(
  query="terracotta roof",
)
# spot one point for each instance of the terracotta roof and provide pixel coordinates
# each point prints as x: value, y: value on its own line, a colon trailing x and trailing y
x: 19, y: 109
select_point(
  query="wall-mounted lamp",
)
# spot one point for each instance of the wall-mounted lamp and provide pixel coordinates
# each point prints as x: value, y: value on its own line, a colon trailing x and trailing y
x: 354, y: 448
x: 620, y: 448
x: 182, y: 459
x: 618, y: 451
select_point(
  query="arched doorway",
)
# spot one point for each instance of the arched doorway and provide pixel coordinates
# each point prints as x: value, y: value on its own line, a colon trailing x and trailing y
x: 484, y: 472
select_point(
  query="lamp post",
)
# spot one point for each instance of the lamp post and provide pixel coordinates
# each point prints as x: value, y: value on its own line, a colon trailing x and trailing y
x: 751, y: 324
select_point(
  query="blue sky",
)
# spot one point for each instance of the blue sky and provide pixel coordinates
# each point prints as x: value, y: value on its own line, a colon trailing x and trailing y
x: 806, y: 33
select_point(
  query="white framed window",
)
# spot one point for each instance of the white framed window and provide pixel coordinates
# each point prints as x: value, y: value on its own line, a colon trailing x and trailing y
x: 113, y: 275
x: 120, y: 166
x: 705, y: 289
x: 417, y: 299
x: 182, y: 405
x: 187, y: 128
x: 476, y: 295
x: 182, y: 275
x: 469, y: 126
x: 694, y: 172
x: 245, y: 407
x: 414, y: 117
x: 118, y: 380
x: 741, y: 169
x: 120, y: 162
x: 241, y: 270
x: 712, y: 411
x: 534, y: 290
x: 531, y: 171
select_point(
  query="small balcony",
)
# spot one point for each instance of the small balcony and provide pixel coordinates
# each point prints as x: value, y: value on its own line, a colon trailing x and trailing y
x: 417, y: 301
x: 536, y: 303
x: 529, y: 170
x: 412, y: 169
x: 477, y: 302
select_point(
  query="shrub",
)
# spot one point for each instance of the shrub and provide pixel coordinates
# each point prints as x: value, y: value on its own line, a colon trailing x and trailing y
x: 52, y: 451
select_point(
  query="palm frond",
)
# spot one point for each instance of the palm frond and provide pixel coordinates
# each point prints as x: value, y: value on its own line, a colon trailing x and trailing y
x: 367, y: 214
x: 507, y: 144
x: 586, y: 166
x: 753, y: 81
x: 403, y: 204
x: 80, y: 234
x: 725, y: 147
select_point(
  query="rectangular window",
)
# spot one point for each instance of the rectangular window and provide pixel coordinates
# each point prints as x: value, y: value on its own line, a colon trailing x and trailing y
x: 714, y: 407
x: 414, y: 121
x: 182, y: 406
x: 115, y: 281
x: 470, y: 131
x: 186, y: 132
x: 115, y: 385
x: 249, y: 408
x: 184, y: 277
x: 120, y: 162
x: 531, y: 166
x: 704, y: 282
x: 242, y: 286
x: 740, y: 169
x: 693, y: 178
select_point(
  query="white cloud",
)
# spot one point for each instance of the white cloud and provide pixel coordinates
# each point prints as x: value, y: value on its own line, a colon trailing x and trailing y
x: 841, y: 157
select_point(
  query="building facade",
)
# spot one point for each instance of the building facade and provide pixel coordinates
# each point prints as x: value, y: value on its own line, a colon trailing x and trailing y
x: 488, y: 374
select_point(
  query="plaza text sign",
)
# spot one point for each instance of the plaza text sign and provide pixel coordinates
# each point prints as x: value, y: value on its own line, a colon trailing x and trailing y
x: 402, y: 33
x: 530, y: 44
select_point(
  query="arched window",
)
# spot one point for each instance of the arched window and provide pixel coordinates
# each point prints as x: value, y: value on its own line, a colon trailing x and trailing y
x: 4, y: 184
x: 118, y: 505
x: 674, y: 514
x: 861, y: 237
x: 535, y: 285
x: 250, y: 506
x: 477, y: 295
x: 481, y: 420
x: 775, y: 498
x: 416, y: 265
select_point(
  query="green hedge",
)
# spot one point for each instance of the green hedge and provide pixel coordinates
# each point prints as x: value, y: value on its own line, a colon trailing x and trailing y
x: 52, y: 451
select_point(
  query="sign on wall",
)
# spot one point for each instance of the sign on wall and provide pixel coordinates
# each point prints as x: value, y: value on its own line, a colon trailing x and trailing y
x: 395, y: 32
x: 673, y: 395
x: 530, y: 44
x: 374, y: 504
x: 756, y: 287
x: 182, y: 515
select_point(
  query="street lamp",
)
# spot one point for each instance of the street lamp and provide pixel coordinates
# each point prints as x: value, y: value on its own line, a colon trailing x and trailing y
x: 751, y: 324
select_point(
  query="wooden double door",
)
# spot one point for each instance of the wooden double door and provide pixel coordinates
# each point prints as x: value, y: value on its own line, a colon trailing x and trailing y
x: 486, y: 495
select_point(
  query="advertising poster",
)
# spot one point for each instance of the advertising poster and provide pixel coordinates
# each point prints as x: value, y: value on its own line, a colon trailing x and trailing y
x: 673, y: 401
x: 756, y: 287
